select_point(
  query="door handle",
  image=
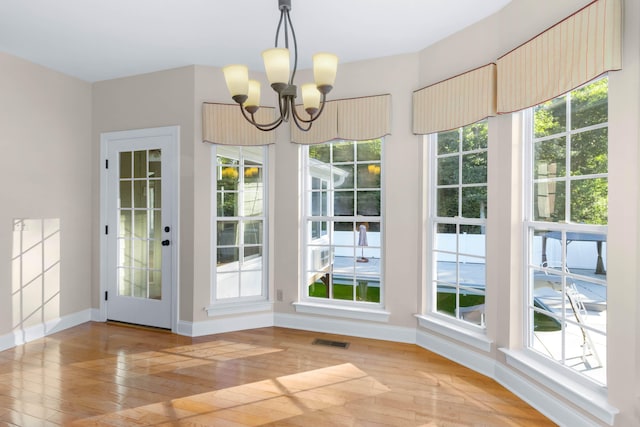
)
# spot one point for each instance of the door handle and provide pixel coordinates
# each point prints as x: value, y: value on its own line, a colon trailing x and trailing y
x: 165, y: 243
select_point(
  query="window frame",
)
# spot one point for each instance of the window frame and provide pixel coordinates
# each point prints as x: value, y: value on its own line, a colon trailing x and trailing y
x: 334, y: 306
x: 474, y: 334
x: 555, y: 368
x: 240, y: 304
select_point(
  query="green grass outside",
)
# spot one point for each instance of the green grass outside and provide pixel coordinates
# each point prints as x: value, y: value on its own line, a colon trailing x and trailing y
x: 446, y: 302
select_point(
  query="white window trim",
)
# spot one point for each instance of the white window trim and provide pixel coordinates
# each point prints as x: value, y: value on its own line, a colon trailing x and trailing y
x: 471, y: 335
x: 249, y: 304
x: 339, y: 310
x: 238, y: 307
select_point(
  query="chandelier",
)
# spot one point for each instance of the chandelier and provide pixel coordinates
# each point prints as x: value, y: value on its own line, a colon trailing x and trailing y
x: 277, y: 66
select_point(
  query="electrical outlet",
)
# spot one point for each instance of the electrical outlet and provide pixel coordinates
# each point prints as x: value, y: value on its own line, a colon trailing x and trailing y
x: 279, y: 295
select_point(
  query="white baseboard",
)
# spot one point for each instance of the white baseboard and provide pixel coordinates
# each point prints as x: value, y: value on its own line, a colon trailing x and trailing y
x: 459, y: 354
x: 31, y: 333
x: 544, y: 402
x: 346, y: 327
x: 226, y: 324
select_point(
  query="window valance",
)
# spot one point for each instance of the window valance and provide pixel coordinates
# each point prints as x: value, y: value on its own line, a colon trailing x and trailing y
x: 224, y: 124
x: 567, y: 55
x: 349, y: 119
x: 455, y: 102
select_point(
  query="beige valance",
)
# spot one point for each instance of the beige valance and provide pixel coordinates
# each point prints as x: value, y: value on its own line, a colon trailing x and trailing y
x: 224, y: 124
x: 455, y: 102
x: 349, y: 119
x: 567, y: 55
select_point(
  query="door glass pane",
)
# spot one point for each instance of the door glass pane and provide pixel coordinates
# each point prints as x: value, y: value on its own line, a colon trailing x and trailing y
x: 155, y: 170
x: 140, y: 194
x: 140, y: 226
x: 125, y: 164
x: 139, y: 164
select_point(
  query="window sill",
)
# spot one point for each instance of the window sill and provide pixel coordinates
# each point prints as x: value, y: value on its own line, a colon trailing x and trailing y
x: 226, y: 309
x: 592, y: 398
x: 464, y: 335
x: 374, y: 315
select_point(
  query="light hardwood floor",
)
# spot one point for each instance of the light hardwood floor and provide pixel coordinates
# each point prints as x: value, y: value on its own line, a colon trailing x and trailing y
x: 101, y: 374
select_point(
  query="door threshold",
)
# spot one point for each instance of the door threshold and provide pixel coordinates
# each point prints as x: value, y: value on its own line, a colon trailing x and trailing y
x: 136, y: 326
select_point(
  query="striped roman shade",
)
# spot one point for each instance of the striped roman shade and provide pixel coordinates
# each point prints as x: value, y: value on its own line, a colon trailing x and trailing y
x: 567, y: 55
x: 224, y: 124
x: 455, y: 102
x: 354, y: 119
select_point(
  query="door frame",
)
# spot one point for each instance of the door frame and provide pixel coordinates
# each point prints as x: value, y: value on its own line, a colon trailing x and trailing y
x: 173, y: 181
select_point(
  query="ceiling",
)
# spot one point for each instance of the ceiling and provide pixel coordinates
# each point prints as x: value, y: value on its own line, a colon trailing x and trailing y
x: 103, y: 39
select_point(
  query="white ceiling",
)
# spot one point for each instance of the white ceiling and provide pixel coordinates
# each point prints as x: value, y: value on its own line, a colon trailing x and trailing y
x: 104, y: 39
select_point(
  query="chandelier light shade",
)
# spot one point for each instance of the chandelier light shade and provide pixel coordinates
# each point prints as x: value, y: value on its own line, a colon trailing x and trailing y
x: 277, y: 64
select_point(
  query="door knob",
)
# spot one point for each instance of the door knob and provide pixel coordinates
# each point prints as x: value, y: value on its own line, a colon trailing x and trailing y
x: 165, y: 243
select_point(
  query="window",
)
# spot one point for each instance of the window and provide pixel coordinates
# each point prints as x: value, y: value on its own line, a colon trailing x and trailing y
x: 457, y: 222
x: 566, y: 229
x: 239, y: 223
x: 342, y: 216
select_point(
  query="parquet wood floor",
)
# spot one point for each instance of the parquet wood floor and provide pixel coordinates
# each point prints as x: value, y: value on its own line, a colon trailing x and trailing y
x: 101, y: 374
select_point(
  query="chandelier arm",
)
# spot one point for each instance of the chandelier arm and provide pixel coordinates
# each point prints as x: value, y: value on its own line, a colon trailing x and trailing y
x: 315, y: 116
x: 297, y: 120
x: 295, y: 49
x: 264, y: 127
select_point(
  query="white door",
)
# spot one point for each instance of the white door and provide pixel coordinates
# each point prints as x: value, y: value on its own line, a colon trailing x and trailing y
x: 140, y: 177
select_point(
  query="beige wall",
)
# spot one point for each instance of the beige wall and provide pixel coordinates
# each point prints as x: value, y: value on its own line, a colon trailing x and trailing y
x: 45, y: 166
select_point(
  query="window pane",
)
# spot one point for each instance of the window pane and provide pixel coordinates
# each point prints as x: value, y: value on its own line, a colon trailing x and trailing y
x: 369, y: 150
x: 227, y: 204
x: 369, y: 175
x: 227, y: 256
x: 343, y: 152
x: 475, y: 136
x: 589, y: 104
x: 589, y: 152
x: 474, y: 168
x: 368, y: 203
x: 447, y: 202
x: 320, y: 152
x: 343, y: 176
x: 448, y: 142
x: 253, y: 197
x: 549, y: 201
x: 228, y: 178
x: 253, y: 233
x: 343, y: 201
x: 227, y: 234
x: 589, y: 201
x: 550, y: 158
x: 474, y: 202
x: 140, y: 194
x: 448, y: 170
x: 550, y: 118
x: 227, y: 285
